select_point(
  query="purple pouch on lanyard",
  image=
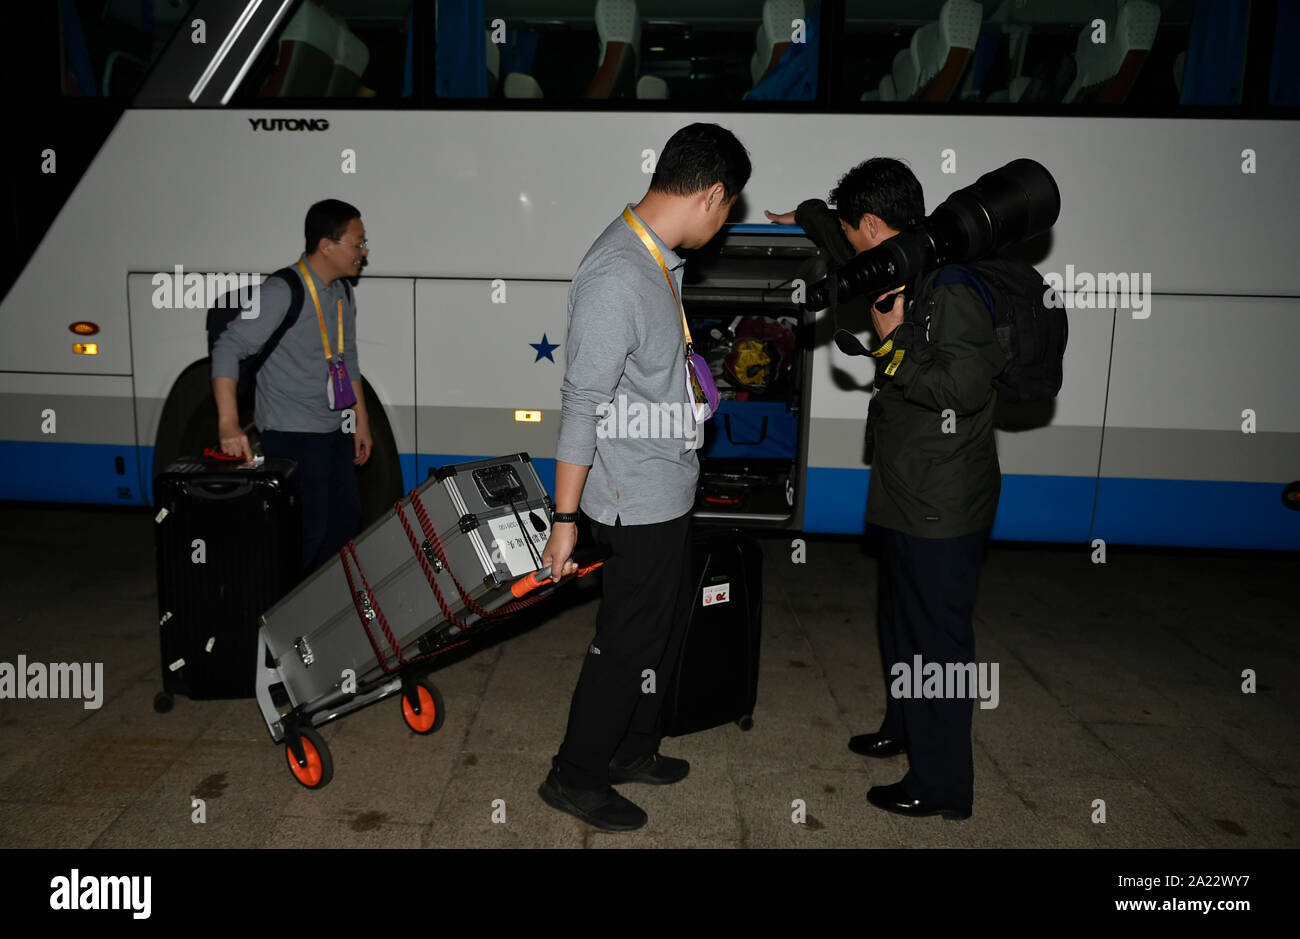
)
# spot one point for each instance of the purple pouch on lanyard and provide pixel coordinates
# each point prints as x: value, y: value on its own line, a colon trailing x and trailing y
x: 701, y: 388
x: 339, y: 389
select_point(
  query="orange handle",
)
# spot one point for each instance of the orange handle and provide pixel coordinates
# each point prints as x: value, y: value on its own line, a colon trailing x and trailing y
x: 530, y: 582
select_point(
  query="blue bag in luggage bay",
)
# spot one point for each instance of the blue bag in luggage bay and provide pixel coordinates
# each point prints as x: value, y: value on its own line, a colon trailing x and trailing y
x: 753, y: 430
x: 716, y: 680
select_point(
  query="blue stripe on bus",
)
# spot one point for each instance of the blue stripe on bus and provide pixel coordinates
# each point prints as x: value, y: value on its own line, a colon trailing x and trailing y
x: 1044, y: 508
x: 1192, y: 513
x: 1186, y: 513
x: 70, y: 472
x: 1195, y: 513
x: 1031, y: 508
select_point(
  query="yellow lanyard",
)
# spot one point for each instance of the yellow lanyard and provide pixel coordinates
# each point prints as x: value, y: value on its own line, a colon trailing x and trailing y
x: 320, y: 317
x: 635, y: 224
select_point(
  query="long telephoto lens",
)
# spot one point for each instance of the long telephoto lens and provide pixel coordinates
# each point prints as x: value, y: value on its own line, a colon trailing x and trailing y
x: 1001, y: 208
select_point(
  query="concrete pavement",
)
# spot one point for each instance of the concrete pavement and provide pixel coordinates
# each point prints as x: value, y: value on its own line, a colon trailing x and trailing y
x: 1119, y: 682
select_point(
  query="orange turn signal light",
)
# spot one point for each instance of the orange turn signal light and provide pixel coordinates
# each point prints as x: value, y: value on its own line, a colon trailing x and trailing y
x: 84, y: 328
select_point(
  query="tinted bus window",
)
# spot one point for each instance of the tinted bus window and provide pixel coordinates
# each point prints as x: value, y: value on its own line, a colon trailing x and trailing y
x: 106, y: 48
x: 350, y: 50
x: 1087, y: 56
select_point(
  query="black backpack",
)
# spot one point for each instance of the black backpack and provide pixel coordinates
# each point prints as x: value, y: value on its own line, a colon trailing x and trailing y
x: 1031, y: 332
x: 227, y: 308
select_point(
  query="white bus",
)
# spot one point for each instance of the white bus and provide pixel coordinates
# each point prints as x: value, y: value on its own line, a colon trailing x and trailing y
x: 487, y: 143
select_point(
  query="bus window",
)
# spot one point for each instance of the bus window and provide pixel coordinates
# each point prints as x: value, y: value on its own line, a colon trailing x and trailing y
x: 344, y: 50
x: 1093, y: 57
x: 706, y: 54
x: 106, y: 49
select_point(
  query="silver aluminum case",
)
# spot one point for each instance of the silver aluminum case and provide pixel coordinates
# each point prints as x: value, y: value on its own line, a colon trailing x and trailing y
x: 313, y: 642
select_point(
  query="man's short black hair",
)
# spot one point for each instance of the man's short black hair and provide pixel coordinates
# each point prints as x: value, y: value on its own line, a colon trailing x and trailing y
x: 884, y: 187
x: 327, y: 219
x: 696, y: 157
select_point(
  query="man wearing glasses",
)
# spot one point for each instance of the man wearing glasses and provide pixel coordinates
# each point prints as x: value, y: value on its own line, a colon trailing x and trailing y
x: 302, y: 402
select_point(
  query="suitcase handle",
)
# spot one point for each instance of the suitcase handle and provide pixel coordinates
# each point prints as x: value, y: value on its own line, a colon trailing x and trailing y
x: 213, y: 455
x: 762, y: 434
x: 587, y: 559
x: 217, y: 489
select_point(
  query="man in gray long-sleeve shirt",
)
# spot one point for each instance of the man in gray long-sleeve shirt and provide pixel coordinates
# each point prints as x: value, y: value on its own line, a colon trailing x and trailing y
x: 626, y: 456
x: 291, y: 410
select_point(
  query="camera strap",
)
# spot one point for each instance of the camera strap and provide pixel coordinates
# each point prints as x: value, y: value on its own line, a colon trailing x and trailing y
x: 849, y: 344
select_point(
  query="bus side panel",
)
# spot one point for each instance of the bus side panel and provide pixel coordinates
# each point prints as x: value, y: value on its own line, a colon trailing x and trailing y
x: 68, y: 438
x: 386, y: 337
x: 1202, y: 432
x: 480, y: 357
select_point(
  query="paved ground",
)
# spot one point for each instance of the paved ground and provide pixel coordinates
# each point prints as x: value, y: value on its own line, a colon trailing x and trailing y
x: 1119, y: 682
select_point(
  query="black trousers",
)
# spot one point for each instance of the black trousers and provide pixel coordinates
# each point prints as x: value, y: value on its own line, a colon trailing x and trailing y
x: 640, y: 624
x: 331, y: 501
x: 927, y: 599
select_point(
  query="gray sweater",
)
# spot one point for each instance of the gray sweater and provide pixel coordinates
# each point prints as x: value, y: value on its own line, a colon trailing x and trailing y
x: 624, y: 408
x: 291, y: 382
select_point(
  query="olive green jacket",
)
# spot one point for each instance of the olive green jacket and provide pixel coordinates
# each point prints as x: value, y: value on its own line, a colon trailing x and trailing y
x: 934, y: 470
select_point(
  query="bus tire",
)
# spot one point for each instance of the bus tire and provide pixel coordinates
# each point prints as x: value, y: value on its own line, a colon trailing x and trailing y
x: 379, y: 481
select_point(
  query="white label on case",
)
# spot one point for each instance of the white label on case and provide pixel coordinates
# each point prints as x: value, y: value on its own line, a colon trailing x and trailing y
x: 718, y: 593
x: 508, y: 543
x: 212, y: 640
x: 177, y: 665
x: 162, y: 514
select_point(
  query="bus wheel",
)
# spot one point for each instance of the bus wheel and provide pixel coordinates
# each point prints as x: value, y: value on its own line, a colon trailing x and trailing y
x: 380, y: 480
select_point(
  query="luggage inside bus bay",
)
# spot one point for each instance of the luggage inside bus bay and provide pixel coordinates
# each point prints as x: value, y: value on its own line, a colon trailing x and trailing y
x: 741, y: 304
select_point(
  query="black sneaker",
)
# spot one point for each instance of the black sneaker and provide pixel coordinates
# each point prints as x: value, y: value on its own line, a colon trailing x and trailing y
x: 653, y: 770
x: 605, y: 810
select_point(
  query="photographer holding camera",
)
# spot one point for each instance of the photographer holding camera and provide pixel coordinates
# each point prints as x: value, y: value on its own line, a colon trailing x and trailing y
x: 935, y: 480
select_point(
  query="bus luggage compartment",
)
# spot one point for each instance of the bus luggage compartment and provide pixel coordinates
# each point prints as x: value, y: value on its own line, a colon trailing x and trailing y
x: 740, y: 299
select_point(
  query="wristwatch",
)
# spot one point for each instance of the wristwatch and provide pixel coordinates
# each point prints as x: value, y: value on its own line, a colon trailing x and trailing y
x: 570, y: 517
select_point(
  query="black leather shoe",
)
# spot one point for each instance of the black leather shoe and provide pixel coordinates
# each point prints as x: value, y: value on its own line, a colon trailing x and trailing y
x: 896, y: 799
x: 877, y: 745
x: 654, y: 770
x: 605, y: 810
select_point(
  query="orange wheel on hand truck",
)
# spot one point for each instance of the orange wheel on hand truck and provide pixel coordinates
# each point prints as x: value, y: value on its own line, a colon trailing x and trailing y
x: 428, y: 718
x: 320, y: 765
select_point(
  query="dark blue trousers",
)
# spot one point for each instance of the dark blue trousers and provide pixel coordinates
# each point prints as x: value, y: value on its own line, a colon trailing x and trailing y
x: 927, y: 600
x: 331, y: 501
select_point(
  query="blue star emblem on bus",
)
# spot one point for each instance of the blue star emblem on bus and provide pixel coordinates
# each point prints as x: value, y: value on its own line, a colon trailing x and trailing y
x: 544, y: 349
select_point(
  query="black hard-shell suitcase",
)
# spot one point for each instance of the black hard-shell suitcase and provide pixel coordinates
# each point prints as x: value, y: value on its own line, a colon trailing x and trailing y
x: 228, y: 542
x: 716, y: 680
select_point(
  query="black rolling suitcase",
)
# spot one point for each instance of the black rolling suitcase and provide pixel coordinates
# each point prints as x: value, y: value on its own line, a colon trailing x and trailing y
x: 716, y: 680
x: 228, y: 542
